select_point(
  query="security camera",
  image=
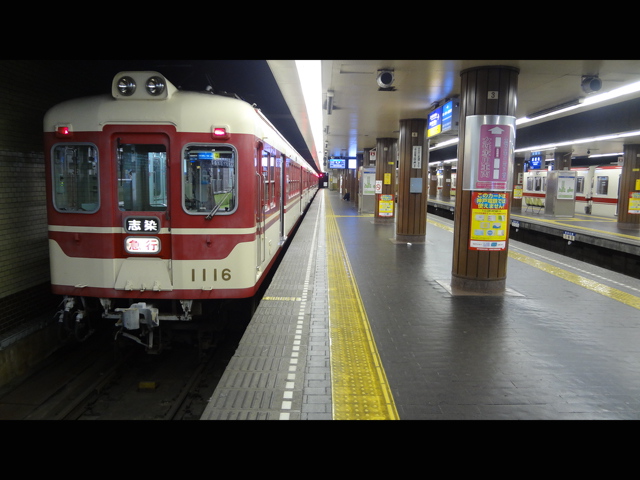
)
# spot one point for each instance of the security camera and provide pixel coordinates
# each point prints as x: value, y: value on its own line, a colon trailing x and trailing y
x: 385, y: 79
x: 591, y: 83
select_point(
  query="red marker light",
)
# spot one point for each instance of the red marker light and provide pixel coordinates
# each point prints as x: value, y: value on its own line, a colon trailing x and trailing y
x: 63, y: 131
x: 219, y: 132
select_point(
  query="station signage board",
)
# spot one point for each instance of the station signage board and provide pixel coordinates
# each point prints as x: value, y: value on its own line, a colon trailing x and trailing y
x: 535, y: 161
x: 337, y: 163
x: 450, y: 116
x: 444, y: 119
x: 434, y: 123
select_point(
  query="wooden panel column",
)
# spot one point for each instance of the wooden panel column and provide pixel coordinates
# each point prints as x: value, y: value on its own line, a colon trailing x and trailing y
x: 386, y: 155
x: 411, y: 216
x: 490, y: 90
x: 562, y: 161
x: 446, y: 181
x: 629, y: 183
x: 518, y: 179
x: 433, y: 181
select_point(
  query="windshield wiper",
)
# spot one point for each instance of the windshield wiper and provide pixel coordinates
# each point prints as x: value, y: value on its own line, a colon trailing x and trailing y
x: 217, y: 207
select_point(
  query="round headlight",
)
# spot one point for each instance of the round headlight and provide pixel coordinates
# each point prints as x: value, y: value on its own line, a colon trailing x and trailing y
x: 126, y: 86
x: 155, y: 86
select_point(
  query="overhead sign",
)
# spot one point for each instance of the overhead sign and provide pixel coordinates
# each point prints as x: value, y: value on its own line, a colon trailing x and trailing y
x: 535, y: 161
x: 337, y: 163
x: 434, y: 125
x: 444, y: 119
x: 450, y: 116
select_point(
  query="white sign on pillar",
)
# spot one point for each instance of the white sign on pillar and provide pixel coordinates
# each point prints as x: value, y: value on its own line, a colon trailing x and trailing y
x: 416, y: 157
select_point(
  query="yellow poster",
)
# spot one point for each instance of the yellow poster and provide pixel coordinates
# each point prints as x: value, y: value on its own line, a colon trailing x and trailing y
x: 517, y: 191
x: 385, y: 206
x: 634, y: 202
x: 489, y: 215
x: 387, y: 179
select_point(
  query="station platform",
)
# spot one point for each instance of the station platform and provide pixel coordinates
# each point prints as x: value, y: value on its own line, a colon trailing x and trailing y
x: 596, y: 230
x: 356, y: 325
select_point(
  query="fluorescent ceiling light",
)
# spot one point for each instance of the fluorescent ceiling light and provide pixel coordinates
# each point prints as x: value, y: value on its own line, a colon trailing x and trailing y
x: 310, y: 74
x: 577, y: 141
x: 606, y: 154
x: 586, y: 101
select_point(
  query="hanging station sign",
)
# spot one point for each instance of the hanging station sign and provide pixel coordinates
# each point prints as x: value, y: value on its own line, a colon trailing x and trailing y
x: 444, y: 119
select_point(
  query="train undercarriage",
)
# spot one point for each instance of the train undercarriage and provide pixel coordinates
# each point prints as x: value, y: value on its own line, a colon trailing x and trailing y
x: 154, y: 326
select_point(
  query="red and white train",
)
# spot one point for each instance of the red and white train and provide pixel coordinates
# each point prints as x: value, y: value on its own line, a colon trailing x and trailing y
x: 163, y: 204
x: 597, y: 188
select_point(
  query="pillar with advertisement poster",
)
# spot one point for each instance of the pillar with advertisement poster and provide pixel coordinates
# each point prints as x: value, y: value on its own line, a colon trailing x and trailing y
x: 385, y: 187
x: 629, y: 197
x: 485, y: 179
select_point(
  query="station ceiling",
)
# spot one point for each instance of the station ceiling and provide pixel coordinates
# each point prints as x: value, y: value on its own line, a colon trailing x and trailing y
x: 362, y: 112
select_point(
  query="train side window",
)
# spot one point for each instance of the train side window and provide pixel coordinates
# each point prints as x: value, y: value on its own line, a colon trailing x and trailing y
x: 529, y: 184
x: 75, y: 178
x: 142, y: 177
x: 209, y: 179
x: 602, y: 185
x: 579, y: 184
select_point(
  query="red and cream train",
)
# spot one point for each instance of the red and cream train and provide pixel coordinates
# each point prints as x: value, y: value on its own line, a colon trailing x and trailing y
x: 164, y: 203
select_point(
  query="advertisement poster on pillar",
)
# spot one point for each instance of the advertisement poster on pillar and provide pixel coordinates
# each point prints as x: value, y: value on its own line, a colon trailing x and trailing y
x: 489, y: 144
x: 489, y: 216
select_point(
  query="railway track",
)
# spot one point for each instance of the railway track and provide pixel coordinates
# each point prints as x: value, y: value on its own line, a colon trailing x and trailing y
x: 89, y: 381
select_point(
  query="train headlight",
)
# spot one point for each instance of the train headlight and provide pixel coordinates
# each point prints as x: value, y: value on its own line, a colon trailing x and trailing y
x: 126, y: 86
x: 155, y: 86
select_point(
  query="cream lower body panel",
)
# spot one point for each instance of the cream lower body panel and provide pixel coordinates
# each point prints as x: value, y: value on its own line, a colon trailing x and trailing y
x: 237, y: 271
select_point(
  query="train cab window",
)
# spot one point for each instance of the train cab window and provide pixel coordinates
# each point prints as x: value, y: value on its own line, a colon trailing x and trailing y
x: 75, y: 178
x: 209, y: 179
x: 142, y: 177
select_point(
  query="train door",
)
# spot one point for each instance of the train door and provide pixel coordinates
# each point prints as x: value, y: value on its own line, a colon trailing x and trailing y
x: 261, y: 196
x: 283, y: 195
x: 142, y: 193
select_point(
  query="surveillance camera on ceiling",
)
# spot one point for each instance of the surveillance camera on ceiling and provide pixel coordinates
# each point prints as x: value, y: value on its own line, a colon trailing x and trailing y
x: 591, y: 83
x: 385, y: 79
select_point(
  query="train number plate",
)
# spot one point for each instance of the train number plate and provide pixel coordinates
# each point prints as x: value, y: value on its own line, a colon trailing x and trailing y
x: 142, y: 245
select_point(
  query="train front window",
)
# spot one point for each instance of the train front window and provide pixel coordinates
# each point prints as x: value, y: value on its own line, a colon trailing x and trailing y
x: 142, y: 177
x: 209, y: 179
x: 75, y: 178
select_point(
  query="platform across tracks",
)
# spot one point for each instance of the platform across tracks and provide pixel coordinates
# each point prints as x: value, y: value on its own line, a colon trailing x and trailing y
x: 563, y: 341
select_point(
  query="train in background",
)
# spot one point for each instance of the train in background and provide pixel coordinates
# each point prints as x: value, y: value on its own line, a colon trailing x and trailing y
x: 597, y: 188
x: 165, y: 206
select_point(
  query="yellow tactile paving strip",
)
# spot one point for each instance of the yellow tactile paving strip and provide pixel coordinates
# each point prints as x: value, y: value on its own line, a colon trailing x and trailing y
x: 614, y: 293
x: 359, y: 385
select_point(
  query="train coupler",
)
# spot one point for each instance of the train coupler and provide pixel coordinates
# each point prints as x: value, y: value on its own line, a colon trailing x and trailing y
x: 139, y: 314
x: 142, y: 319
